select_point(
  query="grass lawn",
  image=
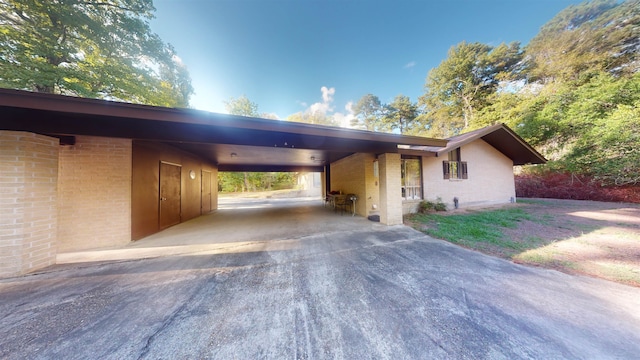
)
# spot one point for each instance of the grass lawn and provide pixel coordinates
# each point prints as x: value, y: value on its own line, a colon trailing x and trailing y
x: 589, y: 238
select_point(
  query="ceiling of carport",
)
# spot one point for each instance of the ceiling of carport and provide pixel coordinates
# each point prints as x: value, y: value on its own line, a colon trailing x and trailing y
x: 262, y: 158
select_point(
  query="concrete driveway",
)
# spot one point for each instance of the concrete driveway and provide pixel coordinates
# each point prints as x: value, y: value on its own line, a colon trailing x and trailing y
x: 350, y: 289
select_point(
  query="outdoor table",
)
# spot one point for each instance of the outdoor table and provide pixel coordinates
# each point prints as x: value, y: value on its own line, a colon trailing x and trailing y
x: 336, y: 200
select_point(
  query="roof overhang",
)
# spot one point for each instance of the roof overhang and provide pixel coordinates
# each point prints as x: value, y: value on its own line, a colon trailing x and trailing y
x: 500, y: 136
x: 281, y: 145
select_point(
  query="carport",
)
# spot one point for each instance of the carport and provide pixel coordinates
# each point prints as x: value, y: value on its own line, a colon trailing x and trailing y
x: 100, y: 172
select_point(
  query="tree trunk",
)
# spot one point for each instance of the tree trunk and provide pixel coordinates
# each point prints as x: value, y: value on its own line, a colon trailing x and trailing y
x: 246, y: 182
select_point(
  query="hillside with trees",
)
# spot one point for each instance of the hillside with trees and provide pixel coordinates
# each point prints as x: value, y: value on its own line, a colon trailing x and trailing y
x: 573, y: 93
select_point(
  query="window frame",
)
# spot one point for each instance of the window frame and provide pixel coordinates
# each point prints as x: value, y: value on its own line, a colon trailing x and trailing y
x: 454, y: 168
x: 417, y: 189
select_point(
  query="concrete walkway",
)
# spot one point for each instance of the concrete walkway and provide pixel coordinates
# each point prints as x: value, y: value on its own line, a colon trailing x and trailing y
x: 346, y: 289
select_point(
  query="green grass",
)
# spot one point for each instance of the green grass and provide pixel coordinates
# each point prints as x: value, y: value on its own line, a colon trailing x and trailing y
x: 476, y: 230
x: 532, y: 201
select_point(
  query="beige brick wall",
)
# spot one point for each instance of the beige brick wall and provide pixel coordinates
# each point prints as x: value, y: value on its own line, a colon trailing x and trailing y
x: 354, y: 175
x: 28, y: 226
x: 491, y: 179
x: 390, y: 189
x: 94, y: 196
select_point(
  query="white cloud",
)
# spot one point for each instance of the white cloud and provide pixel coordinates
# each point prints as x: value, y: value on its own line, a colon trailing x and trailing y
x: 410, y: 64
x: 344, y: 120
x: 327, y: 94
x: 325, y: 106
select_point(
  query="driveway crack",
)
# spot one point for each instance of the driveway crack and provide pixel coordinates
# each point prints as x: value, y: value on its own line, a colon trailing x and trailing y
x: 166, y: 323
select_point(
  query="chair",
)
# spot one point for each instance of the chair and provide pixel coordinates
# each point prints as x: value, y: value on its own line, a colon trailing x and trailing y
x: 342, y: 203
x: 327, y: 200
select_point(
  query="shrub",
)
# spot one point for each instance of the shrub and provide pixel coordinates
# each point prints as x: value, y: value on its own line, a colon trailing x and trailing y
x: 427, y: 206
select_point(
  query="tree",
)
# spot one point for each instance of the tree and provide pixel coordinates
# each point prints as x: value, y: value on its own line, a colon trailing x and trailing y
x: 368, y: 112
x: 241, y: 106
x: 313, y: 117
x: 459, y: 86
x: 590, y: 37
x: 400, y: 114
x: 97, y: 49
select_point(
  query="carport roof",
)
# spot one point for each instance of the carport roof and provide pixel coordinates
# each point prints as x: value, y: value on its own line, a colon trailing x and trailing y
x: 233, y: 142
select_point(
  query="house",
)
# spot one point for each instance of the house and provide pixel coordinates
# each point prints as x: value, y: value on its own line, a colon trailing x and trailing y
x: 83, y: 173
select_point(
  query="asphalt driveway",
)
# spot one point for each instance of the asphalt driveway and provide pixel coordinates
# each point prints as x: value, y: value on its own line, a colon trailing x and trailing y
x: 366, y: 291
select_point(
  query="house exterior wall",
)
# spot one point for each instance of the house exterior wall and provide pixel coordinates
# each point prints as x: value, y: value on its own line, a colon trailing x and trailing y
x: 28, y: 202
x: 145, y: 185
x: 354, y: 175
x: 490, y: 178
x: 94, y: 193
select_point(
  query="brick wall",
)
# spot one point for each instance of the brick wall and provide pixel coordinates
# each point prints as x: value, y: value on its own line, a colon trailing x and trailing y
x: 28, y: 226
x: 354, y: 175
x: 94, y: 205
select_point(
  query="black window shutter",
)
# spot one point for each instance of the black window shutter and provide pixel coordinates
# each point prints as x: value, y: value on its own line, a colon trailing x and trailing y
x: 445, y: 169
x: 463, y: 170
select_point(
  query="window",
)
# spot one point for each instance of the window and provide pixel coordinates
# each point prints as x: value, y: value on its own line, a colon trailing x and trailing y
x: 454, y: 168
x: 411, y: 179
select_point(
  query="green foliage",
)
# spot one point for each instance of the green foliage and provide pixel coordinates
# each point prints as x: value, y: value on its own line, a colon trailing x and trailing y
x: 368, y: 112
x: 400, y: 115
x: 255, y: 181
x: 461, y: 84
x: 96, y: 49
x: 241, y: 106
x: 610, y: 150
x: 427, y: 206
x: 593, y: 36
x: 587, y: 129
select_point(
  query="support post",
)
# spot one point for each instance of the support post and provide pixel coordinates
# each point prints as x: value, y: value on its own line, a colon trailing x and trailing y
x: 390, y: 189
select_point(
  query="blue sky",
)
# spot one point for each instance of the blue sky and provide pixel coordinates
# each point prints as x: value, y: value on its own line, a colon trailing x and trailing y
x: 289, y: 56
